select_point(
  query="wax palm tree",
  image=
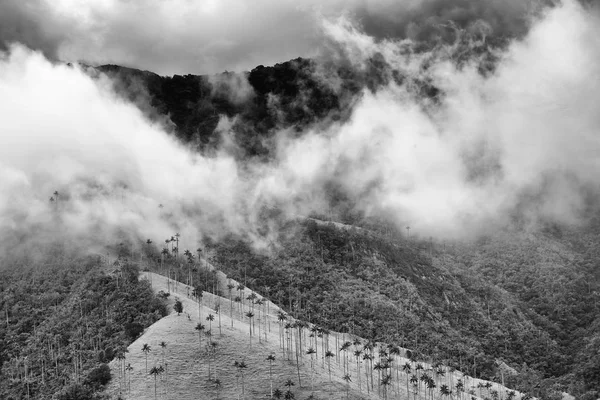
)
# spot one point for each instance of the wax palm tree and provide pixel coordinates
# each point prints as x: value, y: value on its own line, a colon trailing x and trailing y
x: 357, y: 354
x: 378, y: 367
x: 270, y: 359
x: 250, y: 315
x: 511, y: 395
x: 348, y: 380
x: 395, y: 352
x: 163, y: 345
x: 310, y: 352
x: 288, y: 393
x: 200, y: 328
x: 460, y: 387
x: 177, y: 236
x: 241, y: 366
x: 415, y: 382
x: 431, y: 385
x: 445, y: 391
x: 210, y: 318
x: 121, y: 357
x: 345, y: 346
x: 328, y: 355
x: 155, y: 372
x: 129, y: 368
x: 277, y: 394
x: 368, y: 358
x: 146, y: 349
x: 212, y: 351
x: 163, y: 254
x: 230, y: 287
x: 386, y: 381
x: 259, y: 303
x: 406, y: 368
x: 281, y: 318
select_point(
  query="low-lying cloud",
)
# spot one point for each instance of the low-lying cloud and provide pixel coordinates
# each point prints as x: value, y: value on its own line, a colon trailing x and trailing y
x: 524, y: 138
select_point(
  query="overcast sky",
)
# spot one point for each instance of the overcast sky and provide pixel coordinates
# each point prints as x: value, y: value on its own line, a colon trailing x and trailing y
x: 209, y: 36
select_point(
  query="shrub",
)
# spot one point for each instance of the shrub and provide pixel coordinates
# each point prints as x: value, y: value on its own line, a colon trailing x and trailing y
x: 99, y: 376
x: 178, y: 307
x: 133, y: 330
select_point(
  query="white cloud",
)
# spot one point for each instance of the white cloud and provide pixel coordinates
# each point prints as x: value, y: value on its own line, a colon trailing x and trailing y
x: 525, y: 136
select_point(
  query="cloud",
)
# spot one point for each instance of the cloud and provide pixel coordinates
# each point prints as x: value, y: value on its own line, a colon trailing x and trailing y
x: 205, y: 37
x: 523, y: 139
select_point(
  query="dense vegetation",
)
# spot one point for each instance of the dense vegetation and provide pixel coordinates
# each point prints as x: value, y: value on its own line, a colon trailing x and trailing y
x: 527, y: 301
x: 64, y: 319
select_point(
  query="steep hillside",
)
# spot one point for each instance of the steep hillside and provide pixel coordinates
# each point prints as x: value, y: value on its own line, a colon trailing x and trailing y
x: 186, y: 362
x: 64, y: 318
x: 449, y: 302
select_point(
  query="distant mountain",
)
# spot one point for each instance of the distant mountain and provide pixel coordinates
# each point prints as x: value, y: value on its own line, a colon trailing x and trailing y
x: 291, y: 95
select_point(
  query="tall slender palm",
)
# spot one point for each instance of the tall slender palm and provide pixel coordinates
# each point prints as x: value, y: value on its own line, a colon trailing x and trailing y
x: 218, y: 311
x: 241, y: 366
x: 348, y: 380
x: 270, y: 359
x: 210, y: 318
x: 288, y: 394
x: 386, y: 381
x: 200, y: 328
x: 328, y: 355
x: 163, y: 345
x: 395, y: 352
x: 277, y: 394
x: 310, y: 352
x: 146, y: 349
x: 155, y: 372
x: 406, y: 368
x: 250, y: 315
x: 230, y: 287
x: 281, y: 318
x: 368, y: 358
x: 415, y: 382
x: 445, y: 391
x: 129, y: 368
x: 259, y: 303
x: 357, y: 355
x: 344, y: 348
x: 378, y: 367
x: 460, y: 387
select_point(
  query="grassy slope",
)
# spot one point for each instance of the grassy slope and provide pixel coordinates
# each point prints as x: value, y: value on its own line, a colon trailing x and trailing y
x: 187, y: 376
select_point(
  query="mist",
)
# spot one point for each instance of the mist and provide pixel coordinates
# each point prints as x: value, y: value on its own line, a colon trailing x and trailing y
x: 520, y: 139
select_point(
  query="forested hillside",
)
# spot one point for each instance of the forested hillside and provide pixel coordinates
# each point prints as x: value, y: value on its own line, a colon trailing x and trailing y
x: 64, y: 319
x: 529, y: 301
x: 526, y: 298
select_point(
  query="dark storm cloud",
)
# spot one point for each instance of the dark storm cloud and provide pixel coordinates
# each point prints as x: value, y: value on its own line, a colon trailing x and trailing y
x: 30, y: 23
x: 427, y: 20
x: 209, y: 36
